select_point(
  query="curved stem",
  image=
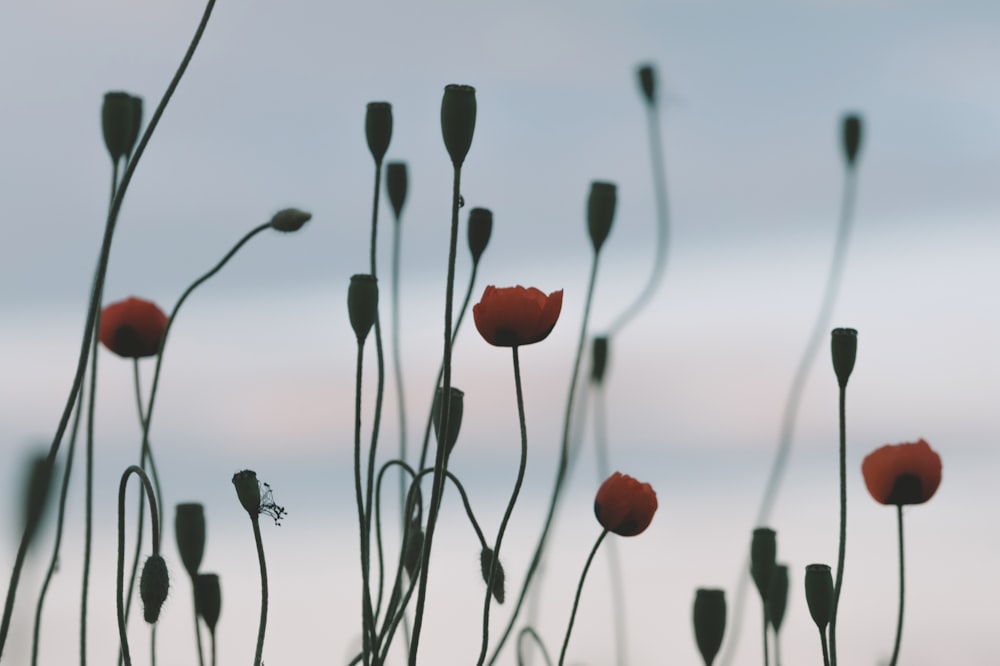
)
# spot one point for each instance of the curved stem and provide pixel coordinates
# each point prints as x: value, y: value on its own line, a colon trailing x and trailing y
x: 528, y: 632
x: 155, y: 523
x: 579, y: 591
x: 404, y: 471
x: 495, y: 562
x: 902, y: 588
x: 263, y: 590
x: 841, y: 551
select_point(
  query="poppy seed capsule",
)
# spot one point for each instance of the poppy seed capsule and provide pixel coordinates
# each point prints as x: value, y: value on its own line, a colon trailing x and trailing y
x: 396, y: 182
x: 480, y: 230
x: 844, y: 351
x: 600, y: 212
x: 189, y: 530
x: 153, y: 587
x: 851, y: 129
x: 289, y: 219
x: 599, y: 359
x: 819, y: 594
x: 248, y: 491
x: 378, y: 128
x: 709, y: 622
x: 208, y: 599
x: 362, y: 304
x: 121, y: 117
x: 455, y: 408
x: 458, y: 120
x: 777, y: 597
x: 647, y: 83
x: 763, y: 550
x: 498, y: 589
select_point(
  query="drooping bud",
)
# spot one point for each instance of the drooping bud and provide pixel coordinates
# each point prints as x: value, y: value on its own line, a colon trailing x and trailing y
x: 189, y: 530
x: 396, y: 182
x: 777, y: 597
x: 647, y: 82
x: 599, y: 359
x: 248, y: 491
x: 600, y: 212
x: 486, y: 561
x: 455, y: 408
x: 480, y: 230
x: 290, y: 219
x: 819, y: 594
x: 121, y: 118
x: 844, y: 350
x: 414, y: 549
x: 709, y: 622
x: 763, y: 550
x: 458, y: 120
x: 35, y: 493
x: 154, y: 583
x: 378, y: 128
x: 851, y: 137
x: 362, y: 304
x: 208, y: 599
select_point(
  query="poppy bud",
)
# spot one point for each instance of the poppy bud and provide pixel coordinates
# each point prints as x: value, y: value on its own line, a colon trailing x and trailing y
x: 414, y: 549
x: 599, y: 359
x: 378, y: 128
x: 777, y: 597
x: 208, y: 599
x: 458, y: 120
x: 362, y: 304
x: 647, y: 83
x: 625, y: 506
x: 486, y: 560
x: 248, y: 491
x: 763, y: 550
x: 844, y: 349
x: 709, y: 622
x: 819, y: 594
x: 133, y: 328
x: 189, y: 530
x: 121, y: 118
x: 455, y: 407
x: 154, y: 583
x: 395, y: 185
x: 851, y: 137
x: 289, y: 219
x: 35, y: 494
x: 480, y: 229
x: 600, y: 212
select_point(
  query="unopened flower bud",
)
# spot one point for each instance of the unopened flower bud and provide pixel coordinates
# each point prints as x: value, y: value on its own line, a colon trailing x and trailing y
x: 248, y: 491
x: 851, y: 129
x: 396, y: 182
x: 458, y: 120
x: 600, y: 212
x: 819, y: 594
x: 455, y: 408
x: 777, y: 597
x: 599, y: 359
x: 208, y: 599
x: 121, y: 118
x: 378, y: 128
x: 189, y: 530
x: 480, y: 230
x: 413, y: 549
x: 154, y: 583
x: 647, y: 82
x: 763, y: 550
x: 709, y: 622
x: 35, y: 494
x: 362, y: 304
x: 290, y: 219
x: 486, y: 561
x: 844, y: 349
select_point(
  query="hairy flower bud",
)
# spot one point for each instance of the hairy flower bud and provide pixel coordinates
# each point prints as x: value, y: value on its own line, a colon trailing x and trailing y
x: 289, y: 219
x: 154, y: 583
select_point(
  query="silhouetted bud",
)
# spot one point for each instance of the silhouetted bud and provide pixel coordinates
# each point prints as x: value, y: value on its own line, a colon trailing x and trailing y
x: 378, y: 128
x: 362, y: 304
x: 458, y: 120
x: 208, y: 599
x: 763, y: 550
x: 189, y: 530
x: 599, y: 359
x: 396, y: 182
x: 121, y: 118
x: 819, y: 594
x: 414, y: 549
x: 709, y: 622
x: 844, y: 349
x: 290, y: 219
x: 600, y: 212
x: 486, y: 560
x: 777, y: 597
x: 455, y: 409
x: 248, y: 491
x: 36, y: 482
x: 154, y: 583
x: 851, y: 136
x: 647, y: 83
x: 480, y: 230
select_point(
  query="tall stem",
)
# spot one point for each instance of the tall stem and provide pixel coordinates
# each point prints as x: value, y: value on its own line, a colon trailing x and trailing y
x: 579, y: 591
x: 263, y: 590
x: 902, y: 588
x: 843, y: 527
x: 368, y: 644
x: 155, y: 524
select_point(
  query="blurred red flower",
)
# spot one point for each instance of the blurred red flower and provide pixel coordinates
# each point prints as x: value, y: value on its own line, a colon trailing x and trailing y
x: 133, y: 328
x: 625, y: 506
x: 902, y: 473
x: 514, y: 316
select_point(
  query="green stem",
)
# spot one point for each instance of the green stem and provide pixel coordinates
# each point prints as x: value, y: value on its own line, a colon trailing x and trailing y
x: 397, y: 363
x: 366, y: 619
x: 255, y: 520
x: 579, y: 591
x: 155, y: 523
x: 825, y: 648
x: 528, y: 632
x: 495, y: 563
x: 765, y: 634
x: 902, y: 587
x: 88, y: 529
x: 197, y: 627
x: 843, y: 526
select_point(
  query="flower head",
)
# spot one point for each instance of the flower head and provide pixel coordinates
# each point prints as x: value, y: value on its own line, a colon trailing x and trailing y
x: 625, y: 506
x: 513, y: 316
x: 902, y: 473
x: 133, y: 328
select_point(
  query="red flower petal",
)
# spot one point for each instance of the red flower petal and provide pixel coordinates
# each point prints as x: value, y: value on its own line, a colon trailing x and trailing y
x: 625, y: 506
x: 901, y: 474
x: 514, y: 316
x: 133, y: 328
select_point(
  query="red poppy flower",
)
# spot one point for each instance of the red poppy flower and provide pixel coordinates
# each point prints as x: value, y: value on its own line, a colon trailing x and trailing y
x: 902, y: 473
x: 625, y: 506
x: 514, y: 316
x: 133, y: 328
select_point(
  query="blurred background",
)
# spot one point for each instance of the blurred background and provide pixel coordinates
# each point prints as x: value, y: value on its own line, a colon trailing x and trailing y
x: 259, y: 368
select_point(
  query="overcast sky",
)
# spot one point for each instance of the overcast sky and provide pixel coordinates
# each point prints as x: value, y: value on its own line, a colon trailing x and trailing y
x: 259, y: 370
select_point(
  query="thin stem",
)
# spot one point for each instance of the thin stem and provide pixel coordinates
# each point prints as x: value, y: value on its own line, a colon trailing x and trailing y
x: 404, y: 470
x: 579, y: 591
x: 843, y: 526
x: 212, y: 633
x: 366, y: 623
x: 263, y: 592
x: 495, y: 563
x: 825, y: 647
x: 528, y: 632
x: 88, y: 529
x: 197, y: 626
x: 902, y: 588
x: 397, y: 363
x: 155, y: 523
x: 561, y: 469
x: 765, y: 634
